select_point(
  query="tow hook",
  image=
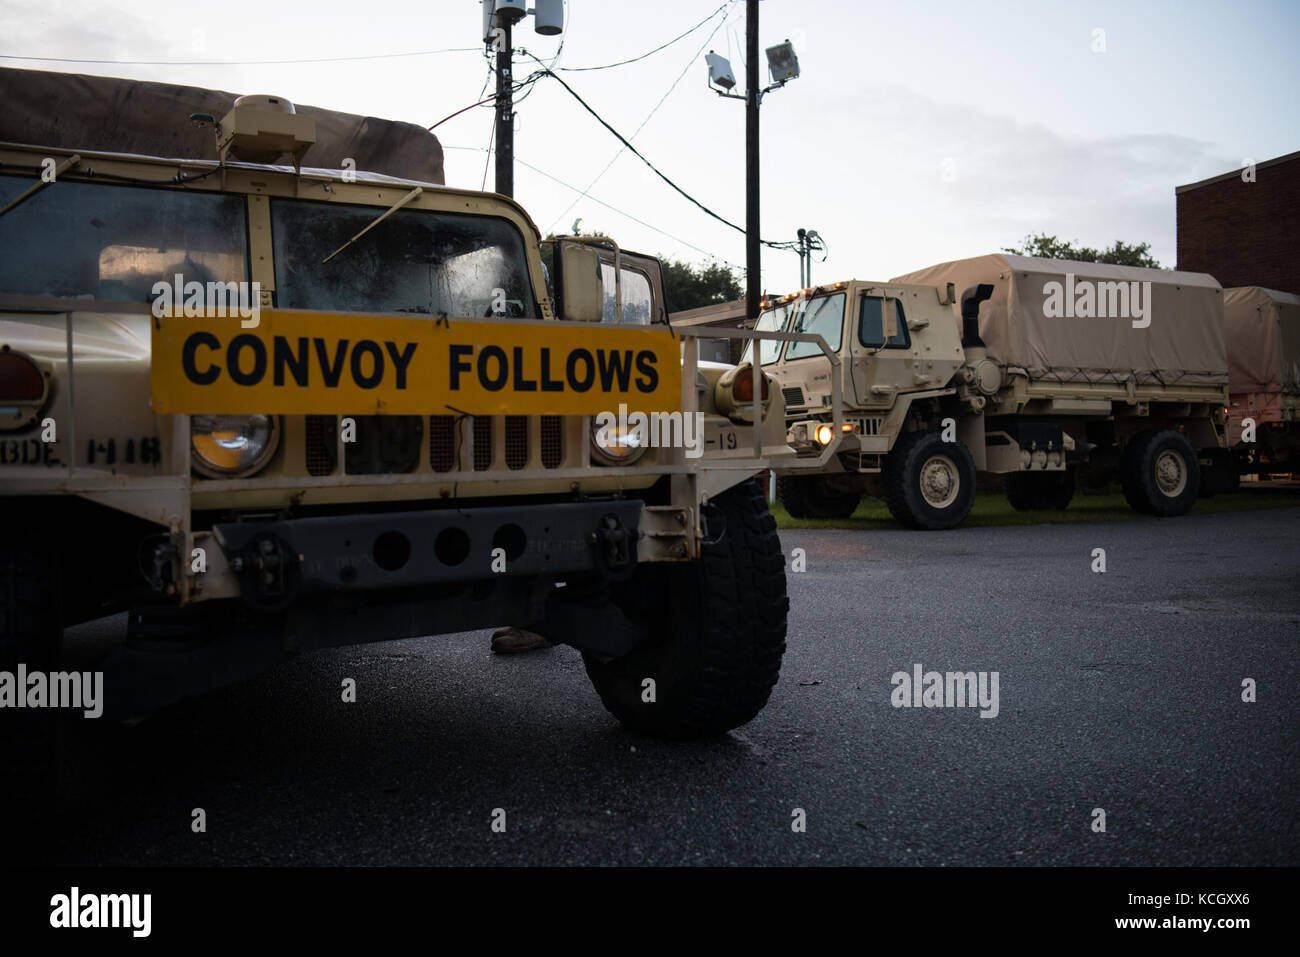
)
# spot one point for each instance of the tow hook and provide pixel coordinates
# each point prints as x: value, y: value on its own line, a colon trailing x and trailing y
x: 614, y: 543
x: 268, y: 572
x: 162, y: 577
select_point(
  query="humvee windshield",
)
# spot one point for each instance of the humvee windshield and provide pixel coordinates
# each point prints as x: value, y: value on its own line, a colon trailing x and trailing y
x: 414, y: 261
x: 109, y: 242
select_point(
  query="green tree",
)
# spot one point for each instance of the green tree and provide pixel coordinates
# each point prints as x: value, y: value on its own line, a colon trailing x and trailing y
x: 1043, y: 246
x: 688, y: 287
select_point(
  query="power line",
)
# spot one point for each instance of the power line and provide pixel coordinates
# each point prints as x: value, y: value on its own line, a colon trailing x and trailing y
x: 640, y: 222
x: 665, y: 46
x: 651, y: 166
x: 526, y: 81
x: 649, y: 116
x: 611, y: 208
x: 333, y: 59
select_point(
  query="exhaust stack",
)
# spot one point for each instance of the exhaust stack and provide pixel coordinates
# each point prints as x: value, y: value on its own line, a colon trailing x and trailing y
x: 970, y: 313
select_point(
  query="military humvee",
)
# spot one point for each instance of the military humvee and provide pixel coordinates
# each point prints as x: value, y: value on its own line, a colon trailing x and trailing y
x: 267, y: 408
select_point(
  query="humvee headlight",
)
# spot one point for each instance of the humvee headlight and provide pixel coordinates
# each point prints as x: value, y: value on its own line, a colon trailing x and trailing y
x: 24, y: 389
x: 734, y: 393
x: 825, y: 434
x: 232, y: 446
x: 616, y: 443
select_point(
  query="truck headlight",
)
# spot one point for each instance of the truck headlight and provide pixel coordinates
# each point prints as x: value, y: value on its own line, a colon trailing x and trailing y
x: 616, y: 443
x: 232, y: 446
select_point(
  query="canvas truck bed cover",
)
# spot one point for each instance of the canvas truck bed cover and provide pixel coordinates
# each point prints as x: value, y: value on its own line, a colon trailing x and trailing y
x: 106, y: 114
x: 1263, y: 330
x: 1183, y: 344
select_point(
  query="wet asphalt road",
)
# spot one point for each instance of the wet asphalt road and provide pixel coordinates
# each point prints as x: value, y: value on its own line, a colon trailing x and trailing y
x: 1119, y: 691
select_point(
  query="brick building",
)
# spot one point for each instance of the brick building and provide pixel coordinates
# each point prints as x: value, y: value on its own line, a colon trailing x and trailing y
x: 1244, y: 233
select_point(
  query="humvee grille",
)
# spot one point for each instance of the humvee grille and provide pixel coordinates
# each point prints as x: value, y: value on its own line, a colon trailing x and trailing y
x: 442, y: 442
x: 516, y: 441
x: 320, y: 449
x: 482, y: 443
x: 552, y: 441
x: 793, y: 395
x: 446, y: 438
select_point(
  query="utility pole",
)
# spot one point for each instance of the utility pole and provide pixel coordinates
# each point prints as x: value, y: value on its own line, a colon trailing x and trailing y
x: 753, y: 250
x: 785, y: 67
x: 505, y: 134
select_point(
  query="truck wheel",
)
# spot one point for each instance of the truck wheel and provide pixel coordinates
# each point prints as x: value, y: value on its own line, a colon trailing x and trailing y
x: 929, y: 483
x: 814, y: 498
x: 1161, y: 473
x: 1040, y: 491
x: 31, y: 633
x: 790, y: 493
x: 717, y: 629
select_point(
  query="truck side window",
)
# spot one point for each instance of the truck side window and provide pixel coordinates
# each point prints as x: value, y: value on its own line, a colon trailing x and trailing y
x: 109, y: 242
x: 635, y: 288
x: 823, y: 317
x: 871, y: 327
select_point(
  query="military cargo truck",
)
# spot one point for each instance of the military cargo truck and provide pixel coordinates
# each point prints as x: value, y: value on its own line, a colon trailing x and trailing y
x: 1263, y: 332
x: 266, y: 407
x: 1045, y: 372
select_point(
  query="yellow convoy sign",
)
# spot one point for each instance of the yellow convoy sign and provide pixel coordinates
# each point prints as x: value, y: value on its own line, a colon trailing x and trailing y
x: 307, y: 363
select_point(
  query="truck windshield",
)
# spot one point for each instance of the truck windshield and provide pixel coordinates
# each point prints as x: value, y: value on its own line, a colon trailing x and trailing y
x: 823, y: 317
x: 418, y: 261
x: 773, y: 320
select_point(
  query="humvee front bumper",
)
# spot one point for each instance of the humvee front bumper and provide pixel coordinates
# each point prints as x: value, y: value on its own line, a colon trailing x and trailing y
x: 276, y: 561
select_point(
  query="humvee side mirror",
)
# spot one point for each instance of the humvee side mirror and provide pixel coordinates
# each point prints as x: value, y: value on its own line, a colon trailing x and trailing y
x: 582, y: 295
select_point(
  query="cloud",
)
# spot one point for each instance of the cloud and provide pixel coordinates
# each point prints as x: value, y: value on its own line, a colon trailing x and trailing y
x: 913, y: 180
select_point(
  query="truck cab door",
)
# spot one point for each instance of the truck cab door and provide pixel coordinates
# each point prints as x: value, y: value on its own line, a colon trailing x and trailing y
x: 880, y: 348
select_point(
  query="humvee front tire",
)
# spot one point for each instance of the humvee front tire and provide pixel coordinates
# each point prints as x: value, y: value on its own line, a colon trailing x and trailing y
x: 717, y: 629
x: 31, y: 633
x: 809, y: 496
x: 1030, y: 491
x: 1161, y: 474
x: 929, y: 483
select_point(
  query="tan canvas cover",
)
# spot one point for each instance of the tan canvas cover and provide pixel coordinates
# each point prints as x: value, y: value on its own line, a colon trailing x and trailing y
x: 1263, y: 329
x: 107, y: 114
x: 1183, y: 344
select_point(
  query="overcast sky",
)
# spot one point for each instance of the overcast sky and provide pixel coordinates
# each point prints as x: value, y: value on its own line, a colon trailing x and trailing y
x: 918, y: 132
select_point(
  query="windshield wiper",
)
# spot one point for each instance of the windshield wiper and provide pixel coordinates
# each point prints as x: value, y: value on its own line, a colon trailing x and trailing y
x: 391, y: 209
x: 31, y: 191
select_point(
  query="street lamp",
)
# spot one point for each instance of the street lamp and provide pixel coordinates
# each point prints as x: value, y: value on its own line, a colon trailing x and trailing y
x: 499, y: 18
x: 783, y: 66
